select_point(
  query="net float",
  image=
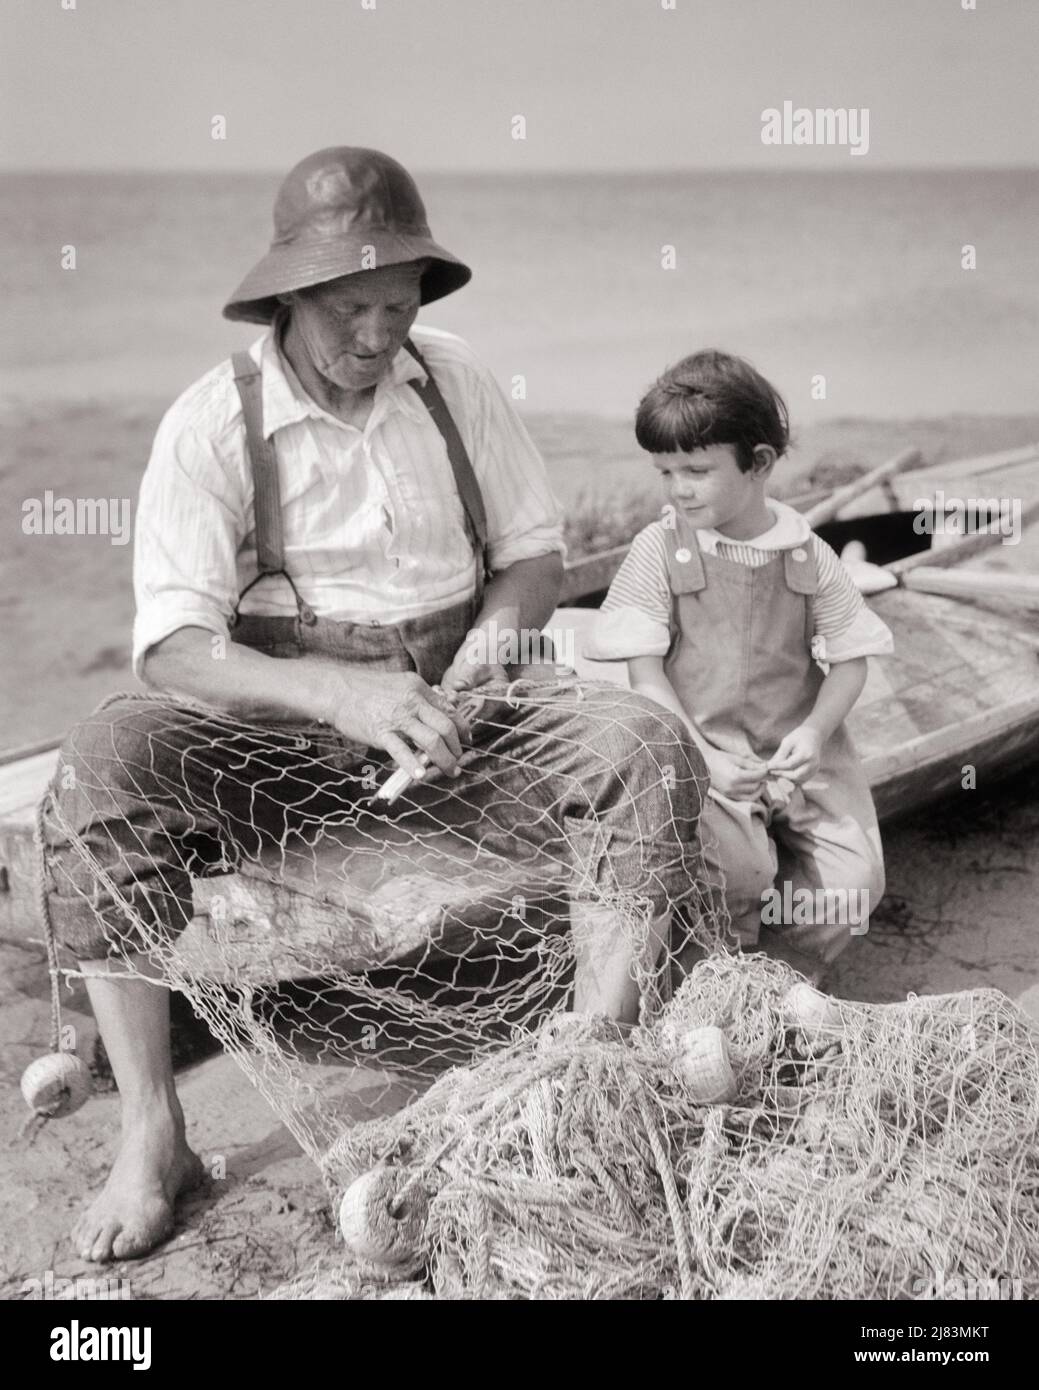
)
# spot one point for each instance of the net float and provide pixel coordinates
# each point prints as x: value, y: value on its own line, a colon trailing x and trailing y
x: 704, y: 1067
x: 56, y: 1085
x: 816, y: 1014
x: 382, y: 1219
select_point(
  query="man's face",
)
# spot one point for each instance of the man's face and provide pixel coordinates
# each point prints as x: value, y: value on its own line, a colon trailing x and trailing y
x: 353, y: 327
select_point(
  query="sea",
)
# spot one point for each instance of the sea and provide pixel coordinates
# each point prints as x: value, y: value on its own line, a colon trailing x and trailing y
x: 848, y: 289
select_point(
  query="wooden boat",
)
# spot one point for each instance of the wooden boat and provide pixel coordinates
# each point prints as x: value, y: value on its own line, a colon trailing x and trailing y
x: 962, y: 691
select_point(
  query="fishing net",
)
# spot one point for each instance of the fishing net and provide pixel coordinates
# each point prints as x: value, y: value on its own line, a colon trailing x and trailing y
x: 344, y: 950
x: 397, y: 981
x: 758, y: 1140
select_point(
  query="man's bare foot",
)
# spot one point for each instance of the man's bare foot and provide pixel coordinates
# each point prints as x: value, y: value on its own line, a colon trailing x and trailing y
x: 134, y: 1210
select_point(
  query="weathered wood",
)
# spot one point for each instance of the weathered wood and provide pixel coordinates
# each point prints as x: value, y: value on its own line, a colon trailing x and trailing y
x: 22, y: 784
x: 29, y: 750
x: 592, y: 574
x: 978, y: 465
x: 962, y: 548
x: 360, y: 899
x: 831, y: 507
x: 972, y: 584
x: 993, y: 743
x: 1013, y: 473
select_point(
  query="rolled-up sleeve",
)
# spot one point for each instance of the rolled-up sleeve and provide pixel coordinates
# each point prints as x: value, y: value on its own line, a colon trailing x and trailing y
x: 524, y: 518
x: 189, y: 525
x: 845, y: 627
x: 635, y: 619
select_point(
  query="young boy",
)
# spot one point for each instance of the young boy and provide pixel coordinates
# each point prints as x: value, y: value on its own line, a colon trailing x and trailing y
x: 732, y: 613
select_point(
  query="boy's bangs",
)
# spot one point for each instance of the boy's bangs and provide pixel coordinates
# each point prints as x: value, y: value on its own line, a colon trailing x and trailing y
x: 676, y: 424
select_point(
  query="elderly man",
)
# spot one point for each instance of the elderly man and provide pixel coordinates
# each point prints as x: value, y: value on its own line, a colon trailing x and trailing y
x: 329, y: 526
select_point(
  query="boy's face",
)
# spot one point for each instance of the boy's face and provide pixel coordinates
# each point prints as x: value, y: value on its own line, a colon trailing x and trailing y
x: 710, y: 490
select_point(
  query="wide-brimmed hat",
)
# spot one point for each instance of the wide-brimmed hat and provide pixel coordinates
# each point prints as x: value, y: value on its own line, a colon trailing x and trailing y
x: 340, y: 211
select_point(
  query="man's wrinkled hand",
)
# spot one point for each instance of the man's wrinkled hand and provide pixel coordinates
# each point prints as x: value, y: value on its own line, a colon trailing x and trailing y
x: 400, y: 713
x: 466, y: 674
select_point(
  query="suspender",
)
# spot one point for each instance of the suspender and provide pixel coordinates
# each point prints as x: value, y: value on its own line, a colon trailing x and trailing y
x: 465, y: 479
x: 270, y: 542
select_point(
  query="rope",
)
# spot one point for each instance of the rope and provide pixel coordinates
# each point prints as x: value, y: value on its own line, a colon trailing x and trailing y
x: 674, y: 1202
x: 44, y: 913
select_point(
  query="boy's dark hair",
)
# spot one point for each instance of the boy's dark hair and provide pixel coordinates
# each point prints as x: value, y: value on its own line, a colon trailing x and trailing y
x: 712, y: 398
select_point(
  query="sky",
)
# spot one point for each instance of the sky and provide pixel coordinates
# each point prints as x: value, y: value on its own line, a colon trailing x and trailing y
x: 601, y: 84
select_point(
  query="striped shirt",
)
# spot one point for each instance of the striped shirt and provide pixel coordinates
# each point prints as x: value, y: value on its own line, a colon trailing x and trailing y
x: 374, y: 528
x: 635, y: 619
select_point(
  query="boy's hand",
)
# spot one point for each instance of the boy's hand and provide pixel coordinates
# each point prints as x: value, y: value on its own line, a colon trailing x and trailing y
x: 799, y: 754
x: 736, y: 775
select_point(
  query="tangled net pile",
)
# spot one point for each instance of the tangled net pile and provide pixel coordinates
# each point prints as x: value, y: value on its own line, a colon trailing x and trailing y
x: 852, y: 1151
x: 395, y: 981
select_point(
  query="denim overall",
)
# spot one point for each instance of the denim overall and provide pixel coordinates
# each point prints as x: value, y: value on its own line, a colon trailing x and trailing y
x: 741, y: 663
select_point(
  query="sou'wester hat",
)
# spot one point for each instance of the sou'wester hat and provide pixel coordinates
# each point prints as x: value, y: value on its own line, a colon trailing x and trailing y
x: 333, y: 209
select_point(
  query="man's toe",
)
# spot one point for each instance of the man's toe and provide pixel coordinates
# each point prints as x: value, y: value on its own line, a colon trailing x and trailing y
x: 137, y: 1238
x: 99, y: 1250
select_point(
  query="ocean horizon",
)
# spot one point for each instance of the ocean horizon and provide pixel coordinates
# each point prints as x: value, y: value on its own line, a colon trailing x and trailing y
x: 852, y: 277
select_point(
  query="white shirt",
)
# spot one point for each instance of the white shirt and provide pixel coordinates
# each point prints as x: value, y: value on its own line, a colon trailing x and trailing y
x: 635, y: 619
x: 373, y: 524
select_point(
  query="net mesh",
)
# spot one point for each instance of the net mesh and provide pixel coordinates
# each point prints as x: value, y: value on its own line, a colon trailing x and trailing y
x: 346, y: 951
x: 860, y: 1151
x: 396, y: 981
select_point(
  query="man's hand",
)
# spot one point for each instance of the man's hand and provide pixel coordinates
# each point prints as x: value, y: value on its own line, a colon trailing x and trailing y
x: 398, y: 712
x: 736, y: 775
x: 797, y: 757
x: 466, y: 674
x: 517, y: 600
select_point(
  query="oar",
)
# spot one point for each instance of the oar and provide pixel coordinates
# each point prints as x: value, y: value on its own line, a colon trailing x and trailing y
x: 980, y: 464
x: 971, y: 584
x: 962, y: 548
x: 827, y: 510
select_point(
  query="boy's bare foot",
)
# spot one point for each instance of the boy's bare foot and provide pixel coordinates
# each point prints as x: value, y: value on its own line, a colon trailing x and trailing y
x: 134, y: 1210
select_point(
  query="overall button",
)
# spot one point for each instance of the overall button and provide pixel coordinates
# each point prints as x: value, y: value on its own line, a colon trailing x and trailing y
x: 799, y: 554
x: 683, y: 556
